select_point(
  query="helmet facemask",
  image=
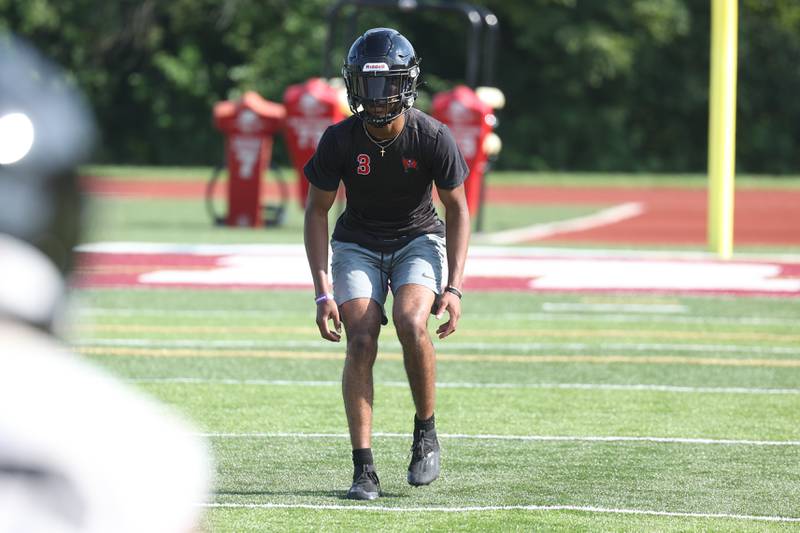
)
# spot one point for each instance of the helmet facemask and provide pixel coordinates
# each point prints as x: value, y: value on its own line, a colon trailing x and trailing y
x: 378, y: 95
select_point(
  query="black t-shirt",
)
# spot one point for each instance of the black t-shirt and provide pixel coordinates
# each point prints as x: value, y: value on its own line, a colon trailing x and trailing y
x: 389, y: 199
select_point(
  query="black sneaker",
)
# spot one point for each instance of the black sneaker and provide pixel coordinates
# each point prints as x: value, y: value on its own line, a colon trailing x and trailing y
x: 366, y: 485
x: 424, y: 467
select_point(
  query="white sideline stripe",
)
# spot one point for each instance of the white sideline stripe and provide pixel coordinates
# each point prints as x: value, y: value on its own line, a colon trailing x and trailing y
x: 529, y: 438
x: 516, y: 347
x: 604, y: 308
x: 579, y: 508
x: 549, y: 317
x: 603, y: 217
x: 469, y: 385
x: 626, y: 318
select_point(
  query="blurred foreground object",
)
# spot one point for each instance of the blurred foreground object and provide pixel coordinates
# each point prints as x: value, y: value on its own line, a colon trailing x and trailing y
x: 79, y: 450
x: 45, y: 131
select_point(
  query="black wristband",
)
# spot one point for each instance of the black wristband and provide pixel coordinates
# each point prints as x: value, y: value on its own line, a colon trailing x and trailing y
x: 453, y: 290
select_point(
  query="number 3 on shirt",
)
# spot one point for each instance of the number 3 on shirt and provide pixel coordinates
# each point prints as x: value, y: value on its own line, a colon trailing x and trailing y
x: 363, y: 164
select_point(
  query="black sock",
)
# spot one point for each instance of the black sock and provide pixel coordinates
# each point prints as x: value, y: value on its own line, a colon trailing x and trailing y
x: 362, y: 456
x: 424, y: 425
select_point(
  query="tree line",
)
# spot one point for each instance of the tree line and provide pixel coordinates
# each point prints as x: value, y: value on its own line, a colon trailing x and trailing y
x: 613, y: 85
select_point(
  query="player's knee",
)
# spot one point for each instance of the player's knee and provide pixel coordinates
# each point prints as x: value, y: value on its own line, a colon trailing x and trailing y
x: 362, y: 347
x: 410, y: 326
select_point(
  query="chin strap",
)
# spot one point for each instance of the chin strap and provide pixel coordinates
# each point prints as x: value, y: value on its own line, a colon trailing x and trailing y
x: 380, y: 121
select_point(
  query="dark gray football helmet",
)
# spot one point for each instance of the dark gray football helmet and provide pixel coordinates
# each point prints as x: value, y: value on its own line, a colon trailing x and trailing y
x: 381, y: 73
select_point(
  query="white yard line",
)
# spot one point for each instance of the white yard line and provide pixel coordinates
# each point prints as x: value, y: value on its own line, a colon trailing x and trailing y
x: 644, y: 318
x: 513, y: 347
x: 605, y: 308
x: 488, y: 508
x: 187, y: 313
x: 604, y: 217
x: 554, y: 315
x: 530, y: 438
x: 470, y: 385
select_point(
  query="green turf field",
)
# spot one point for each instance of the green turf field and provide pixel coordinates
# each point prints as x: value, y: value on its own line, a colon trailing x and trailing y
x: 699, y: 415
x: 185, y: 220
x: 563, y: 412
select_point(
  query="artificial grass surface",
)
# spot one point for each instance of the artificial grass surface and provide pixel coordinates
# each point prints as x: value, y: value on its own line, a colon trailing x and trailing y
x: 255, y: 520
x: 186, y: 221
x: 550, y: 412
x: 259, y: 420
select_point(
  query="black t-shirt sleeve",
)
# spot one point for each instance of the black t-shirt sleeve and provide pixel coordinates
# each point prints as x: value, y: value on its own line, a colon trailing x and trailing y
x: 324, y: 169
x: 448, y: 167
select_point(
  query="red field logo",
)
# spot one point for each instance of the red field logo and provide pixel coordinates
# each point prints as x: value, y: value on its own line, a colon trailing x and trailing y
x: 488, y: 268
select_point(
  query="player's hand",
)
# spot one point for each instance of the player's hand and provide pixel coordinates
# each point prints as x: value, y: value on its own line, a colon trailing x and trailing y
x: 329, y: 311
x: 452, y: 304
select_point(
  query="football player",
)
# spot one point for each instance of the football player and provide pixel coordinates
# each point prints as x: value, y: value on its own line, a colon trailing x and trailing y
x: 389, y: 156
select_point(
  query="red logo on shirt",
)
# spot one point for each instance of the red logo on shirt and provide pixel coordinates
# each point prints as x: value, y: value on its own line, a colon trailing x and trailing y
x: 409, y: 164
x: 363, y: 164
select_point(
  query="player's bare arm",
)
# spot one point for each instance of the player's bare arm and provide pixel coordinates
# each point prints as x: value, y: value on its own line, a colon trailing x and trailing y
x: 315, y: 234
x: 458, y: 229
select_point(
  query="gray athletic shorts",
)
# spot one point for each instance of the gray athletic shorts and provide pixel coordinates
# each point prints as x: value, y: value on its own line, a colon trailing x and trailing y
x: 361, y: 273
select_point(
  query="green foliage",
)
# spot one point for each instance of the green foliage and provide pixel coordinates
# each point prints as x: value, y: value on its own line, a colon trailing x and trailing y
x: 620, y: 85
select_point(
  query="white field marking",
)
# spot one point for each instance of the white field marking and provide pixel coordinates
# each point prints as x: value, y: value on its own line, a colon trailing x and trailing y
x: 628, y: 318
x: 549, y: 251
x: 519, y: 347
x: 487, y: 508
x: 623, y: 275
x: 529, y: 438
x: 479, y: 509
x: 545, y: 317
x: 189, y: 313
x: 468, y: 385
x: 123, y: 247
x: 159, y: 248
x: 604, y: 217
x: 450, y: 357
x: 605, y: 308
x: 267, y: 332
x: 265, y: 265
